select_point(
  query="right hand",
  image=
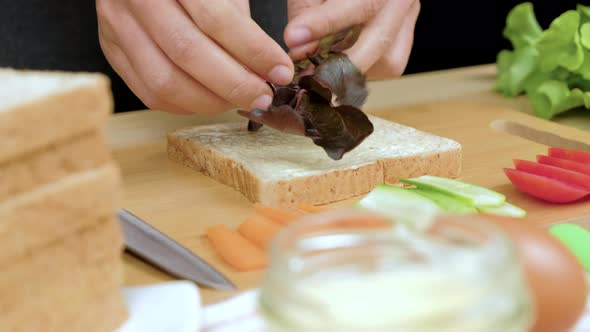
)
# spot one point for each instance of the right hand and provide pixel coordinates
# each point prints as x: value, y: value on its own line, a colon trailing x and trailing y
x: 192, y: 56
x: 384, y: 45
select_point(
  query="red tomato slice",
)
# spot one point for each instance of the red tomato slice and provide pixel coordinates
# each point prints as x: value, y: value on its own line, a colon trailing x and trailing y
x: 564, y: 163
x: 573, y: 155
x: 544, y: 188
x: 564, y: 175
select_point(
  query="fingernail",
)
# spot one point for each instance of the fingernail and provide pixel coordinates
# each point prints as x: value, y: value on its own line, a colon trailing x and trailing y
x: 299, y: 36
x: 299, y: 52
x: 261, y: 102
x: 280, y: 75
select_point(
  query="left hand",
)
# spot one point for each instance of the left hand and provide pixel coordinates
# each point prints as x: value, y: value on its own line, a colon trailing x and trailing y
x: 384, y: 46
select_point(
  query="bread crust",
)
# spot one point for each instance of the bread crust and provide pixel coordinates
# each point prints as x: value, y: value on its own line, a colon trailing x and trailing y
x: 39, y: 122
x: 37, y: 218
x: 46, y: 290
x: 444, y: 164
x: 109, y: 312
x: 59, y: 190
x: 327, y: 187
x: 215, y: 165
x: 58, y: 160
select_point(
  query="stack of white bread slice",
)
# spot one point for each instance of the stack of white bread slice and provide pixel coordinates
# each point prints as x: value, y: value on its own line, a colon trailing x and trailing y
x: 60, y: 242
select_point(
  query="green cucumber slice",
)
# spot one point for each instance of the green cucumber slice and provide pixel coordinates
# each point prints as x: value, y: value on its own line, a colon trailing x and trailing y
x: 506, y: 210
x: 401, y: 204
x: 447, y: 203
x: 474, y: 195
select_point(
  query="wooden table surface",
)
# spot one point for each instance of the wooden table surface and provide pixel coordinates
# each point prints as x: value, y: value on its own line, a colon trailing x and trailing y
x: 147, y: 129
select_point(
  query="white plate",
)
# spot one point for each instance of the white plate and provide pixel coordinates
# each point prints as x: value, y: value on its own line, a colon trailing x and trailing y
x: 164, y: 307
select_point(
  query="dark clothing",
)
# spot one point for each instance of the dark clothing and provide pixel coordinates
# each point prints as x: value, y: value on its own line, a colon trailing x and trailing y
x: 62, y: 35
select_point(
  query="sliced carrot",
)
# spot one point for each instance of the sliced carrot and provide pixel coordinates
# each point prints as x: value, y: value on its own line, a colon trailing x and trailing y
x: 310, y: 208
x: 259, y: 230
x: 351, y: 222
x: 371, y: 221
x: 281, y: 216
x: 235, y: 249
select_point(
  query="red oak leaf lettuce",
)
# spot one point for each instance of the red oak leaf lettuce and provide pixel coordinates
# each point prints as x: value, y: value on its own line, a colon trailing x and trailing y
x: 323, y: 102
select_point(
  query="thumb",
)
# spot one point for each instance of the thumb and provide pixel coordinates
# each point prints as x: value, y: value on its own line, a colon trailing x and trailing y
x: 296, y: 7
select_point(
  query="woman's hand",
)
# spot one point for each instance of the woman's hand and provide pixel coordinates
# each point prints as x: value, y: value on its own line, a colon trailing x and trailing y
x: 191, y: 56
x: 385, y: 43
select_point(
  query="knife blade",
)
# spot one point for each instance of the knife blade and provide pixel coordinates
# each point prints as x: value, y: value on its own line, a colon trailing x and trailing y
x: 156, y: 248
x: 538, y: 136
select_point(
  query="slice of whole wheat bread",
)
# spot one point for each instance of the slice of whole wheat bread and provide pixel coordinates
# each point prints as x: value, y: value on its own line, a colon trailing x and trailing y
x: 109, y: 314
x: 274, y: 168
x: 41, y: 107
x: 45, y: 273
x: 53, y: 284
x: 36, y: 218
x: 74, y: 308
x: 53, y: 162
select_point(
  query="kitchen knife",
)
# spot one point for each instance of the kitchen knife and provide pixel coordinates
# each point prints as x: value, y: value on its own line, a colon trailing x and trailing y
x: 538, y: 136
x: 161, y: 251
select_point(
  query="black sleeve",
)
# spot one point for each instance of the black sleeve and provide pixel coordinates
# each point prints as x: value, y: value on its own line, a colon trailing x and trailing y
x: 62, y: 34
x: 271, y: 15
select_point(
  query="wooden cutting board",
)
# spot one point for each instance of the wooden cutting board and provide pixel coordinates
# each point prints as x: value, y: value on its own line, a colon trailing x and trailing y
x: 182, y: 202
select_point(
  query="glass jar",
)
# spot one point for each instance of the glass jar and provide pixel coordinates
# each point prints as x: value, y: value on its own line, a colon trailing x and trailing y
x: 459, y: 274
